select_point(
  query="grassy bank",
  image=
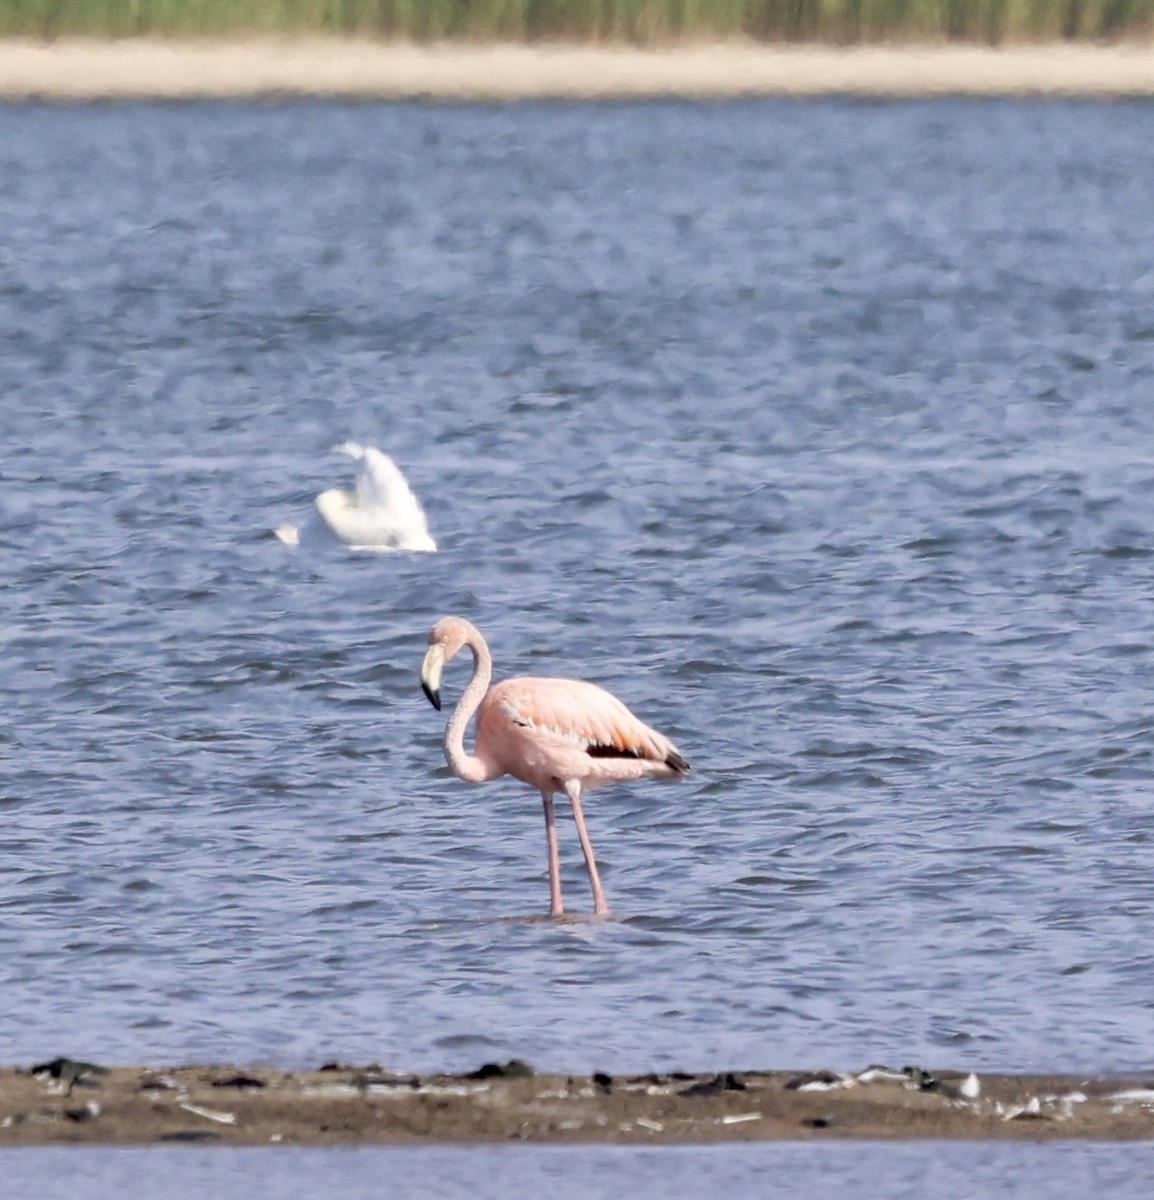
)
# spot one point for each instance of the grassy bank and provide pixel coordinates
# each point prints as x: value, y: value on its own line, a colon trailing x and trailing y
x: 643, y: 22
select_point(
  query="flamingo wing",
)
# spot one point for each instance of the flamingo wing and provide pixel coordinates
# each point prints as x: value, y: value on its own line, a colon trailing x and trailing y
x: 584, y: 714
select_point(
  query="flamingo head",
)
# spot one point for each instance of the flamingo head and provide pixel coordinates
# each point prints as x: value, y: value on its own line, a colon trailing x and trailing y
x: 445, y: 639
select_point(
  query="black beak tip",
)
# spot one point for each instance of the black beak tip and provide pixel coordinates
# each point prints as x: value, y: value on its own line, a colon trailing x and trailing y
x: 433, y: 697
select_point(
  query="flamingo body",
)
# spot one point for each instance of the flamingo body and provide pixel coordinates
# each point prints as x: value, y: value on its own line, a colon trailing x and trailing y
x: 559, y: 735
x: 548, y: 731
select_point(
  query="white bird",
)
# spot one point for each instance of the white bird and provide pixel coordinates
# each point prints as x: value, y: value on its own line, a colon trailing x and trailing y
x: 380, y: 514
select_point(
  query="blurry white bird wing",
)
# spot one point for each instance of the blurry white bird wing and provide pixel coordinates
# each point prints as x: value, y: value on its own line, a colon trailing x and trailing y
x: 381, y: 513
x: 381, y: 485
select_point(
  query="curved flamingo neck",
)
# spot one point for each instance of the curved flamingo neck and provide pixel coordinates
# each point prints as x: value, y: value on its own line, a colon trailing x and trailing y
x: 475, y: 768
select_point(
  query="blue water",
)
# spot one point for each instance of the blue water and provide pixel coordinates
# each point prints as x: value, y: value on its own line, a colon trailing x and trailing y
x: 830, y: 1171
x: 821, y: 433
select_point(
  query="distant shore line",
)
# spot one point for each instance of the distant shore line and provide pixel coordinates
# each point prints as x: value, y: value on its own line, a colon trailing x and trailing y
x: 76, y: 69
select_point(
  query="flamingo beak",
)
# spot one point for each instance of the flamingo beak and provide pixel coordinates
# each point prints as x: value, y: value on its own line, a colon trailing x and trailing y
x: 431, y: 674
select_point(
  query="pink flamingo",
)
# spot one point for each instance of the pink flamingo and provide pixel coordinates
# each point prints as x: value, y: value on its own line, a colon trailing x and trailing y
x: 560, y: 735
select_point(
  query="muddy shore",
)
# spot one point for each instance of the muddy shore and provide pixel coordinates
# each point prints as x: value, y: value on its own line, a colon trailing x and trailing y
x: 79, y: 69
x: 64, y: 1101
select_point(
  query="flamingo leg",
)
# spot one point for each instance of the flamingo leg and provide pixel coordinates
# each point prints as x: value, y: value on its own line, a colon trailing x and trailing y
x: 556, y: 908
x: 573, y: 791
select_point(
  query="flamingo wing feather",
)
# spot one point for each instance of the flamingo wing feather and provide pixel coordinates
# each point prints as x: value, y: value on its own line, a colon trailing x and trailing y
x: 584, y: 713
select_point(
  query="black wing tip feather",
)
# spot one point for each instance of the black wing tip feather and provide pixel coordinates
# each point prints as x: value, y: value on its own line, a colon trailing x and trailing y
x: 673, y: 760
x: 601, y: 750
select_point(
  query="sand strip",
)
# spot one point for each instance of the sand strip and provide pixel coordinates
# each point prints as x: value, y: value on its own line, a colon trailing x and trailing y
x: 69, y: 1102
x: 146, y: 68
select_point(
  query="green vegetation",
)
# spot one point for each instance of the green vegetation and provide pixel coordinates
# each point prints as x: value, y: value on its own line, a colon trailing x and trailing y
x: 637, y: 21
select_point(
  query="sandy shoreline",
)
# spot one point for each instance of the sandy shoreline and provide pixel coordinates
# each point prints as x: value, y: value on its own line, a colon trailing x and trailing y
x: 69, y: 1102
x: 76, y: 69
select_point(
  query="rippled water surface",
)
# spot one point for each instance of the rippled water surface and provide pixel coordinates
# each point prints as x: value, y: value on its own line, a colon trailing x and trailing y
x: 821, y: 433
x: 880, y: 1170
